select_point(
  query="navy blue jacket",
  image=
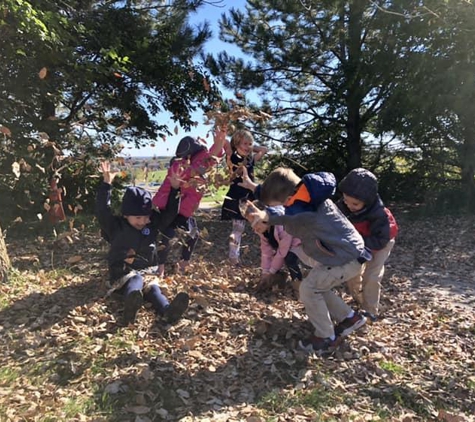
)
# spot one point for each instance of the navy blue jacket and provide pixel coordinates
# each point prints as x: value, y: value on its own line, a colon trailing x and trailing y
x: 126, y: 241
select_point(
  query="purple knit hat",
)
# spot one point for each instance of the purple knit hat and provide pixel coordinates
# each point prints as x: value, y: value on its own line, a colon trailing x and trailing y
x: 360, y: 184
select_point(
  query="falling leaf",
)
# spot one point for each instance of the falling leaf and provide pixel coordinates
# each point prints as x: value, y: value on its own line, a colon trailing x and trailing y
x: 16, y: 169
x: 74, y: 259
x: 5, y: 130
x: 42, y: 73
x: 206, y: 85
x: 176, y: 130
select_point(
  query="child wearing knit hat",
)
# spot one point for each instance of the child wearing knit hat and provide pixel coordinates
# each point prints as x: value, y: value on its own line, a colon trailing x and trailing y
x: 133, y: 249
x: 362, y: 205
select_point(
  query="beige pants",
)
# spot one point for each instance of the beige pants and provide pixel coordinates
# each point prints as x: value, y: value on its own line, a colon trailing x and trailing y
x: 366, y: 288
x: 322, y: 304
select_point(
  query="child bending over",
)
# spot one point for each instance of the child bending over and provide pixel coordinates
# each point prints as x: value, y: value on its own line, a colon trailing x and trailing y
x: 337, y: 251
x: 362, y: 205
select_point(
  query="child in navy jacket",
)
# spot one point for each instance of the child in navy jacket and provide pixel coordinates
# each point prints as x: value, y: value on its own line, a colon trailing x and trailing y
x: 133, y: 248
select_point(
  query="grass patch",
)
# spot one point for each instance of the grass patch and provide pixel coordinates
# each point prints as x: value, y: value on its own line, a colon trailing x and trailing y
x: 392, y: 367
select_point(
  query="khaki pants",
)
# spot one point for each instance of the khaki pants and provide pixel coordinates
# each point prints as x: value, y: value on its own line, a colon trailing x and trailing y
x: 321, y: 303
x: 366, y: 288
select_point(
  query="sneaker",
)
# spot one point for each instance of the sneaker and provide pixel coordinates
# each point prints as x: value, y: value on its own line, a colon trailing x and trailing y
x: 371, y: 317
x: 133, y: 302
x: 318, y: 345
x: 177, y: 307
x: 348, y: 325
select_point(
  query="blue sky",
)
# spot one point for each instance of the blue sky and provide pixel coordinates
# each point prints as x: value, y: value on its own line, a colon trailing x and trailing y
x: 211, y: 14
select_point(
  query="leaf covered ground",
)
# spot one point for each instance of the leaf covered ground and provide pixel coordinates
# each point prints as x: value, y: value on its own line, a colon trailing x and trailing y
x: 64, y: 357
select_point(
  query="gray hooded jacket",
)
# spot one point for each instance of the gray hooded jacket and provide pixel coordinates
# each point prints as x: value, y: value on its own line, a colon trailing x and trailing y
x: 326, y: 234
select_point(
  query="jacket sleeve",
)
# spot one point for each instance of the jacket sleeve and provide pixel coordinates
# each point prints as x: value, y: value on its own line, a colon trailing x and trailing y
x: 166, y: 216
x: 103, y: 212
x: 379, y: 231
x: 285, y: 242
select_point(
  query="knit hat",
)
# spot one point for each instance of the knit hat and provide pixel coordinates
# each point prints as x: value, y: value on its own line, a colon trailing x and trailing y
x: 189, y: 146
x: 360, y: 184
x: 136, y: 201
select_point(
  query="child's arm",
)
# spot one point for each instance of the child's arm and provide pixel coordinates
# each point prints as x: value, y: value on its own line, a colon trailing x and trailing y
x: 285, y: 242
x: 260, y: 152
x: 102, y: 209
x: 170, y: 212
x: 220, y: 144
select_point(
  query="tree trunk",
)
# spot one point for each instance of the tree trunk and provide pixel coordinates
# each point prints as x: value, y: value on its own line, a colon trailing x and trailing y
x: 4, y: 259
x: 467, y: 163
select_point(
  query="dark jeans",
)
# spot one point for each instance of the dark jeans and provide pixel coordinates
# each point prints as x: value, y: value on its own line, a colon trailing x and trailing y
x: 292, y: 263
x: 153, y: 295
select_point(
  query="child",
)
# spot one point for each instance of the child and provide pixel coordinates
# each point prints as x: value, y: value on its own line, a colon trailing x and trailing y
x: 133, y: 251
x: 191, y: 154
x: 241, y: 158
x: 276, y: 249
x: 362, y: 205
x: 335, y: 246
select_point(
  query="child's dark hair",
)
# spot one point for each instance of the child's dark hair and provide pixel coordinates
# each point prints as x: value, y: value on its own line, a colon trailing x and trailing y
x: 279, y: 185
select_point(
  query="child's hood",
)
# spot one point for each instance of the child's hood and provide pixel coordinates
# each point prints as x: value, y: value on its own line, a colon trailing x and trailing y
x: 360, y: 184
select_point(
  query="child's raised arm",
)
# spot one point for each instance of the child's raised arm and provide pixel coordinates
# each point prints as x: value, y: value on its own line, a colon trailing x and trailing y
x: 108, y: 176
x: 260, y: 152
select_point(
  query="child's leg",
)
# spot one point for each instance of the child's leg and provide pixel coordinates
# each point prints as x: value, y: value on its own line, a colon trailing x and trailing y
x: 314, y: 293
x: 372, y: 276
x: 173, y: 310
x: 164, y: 249
x: 191, y: 241
x: 354, y: 286
x: 133, y: 300
x: 235, y: 240
x: 154, y: 295
x: 292, y: 262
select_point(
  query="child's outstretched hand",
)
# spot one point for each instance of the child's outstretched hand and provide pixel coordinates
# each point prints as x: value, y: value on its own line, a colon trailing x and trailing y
x: 258, y: 218
x: 176, y: 176
x: 107, y: 175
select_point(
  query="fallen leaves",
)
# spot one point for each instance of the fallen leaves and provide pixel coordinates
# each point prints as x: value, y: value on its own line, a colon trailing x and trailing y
x: 234, y: 357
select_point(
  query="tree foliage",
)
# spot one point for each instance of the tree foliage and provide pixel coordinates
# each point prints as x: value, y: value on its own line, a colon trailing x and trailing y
x: 81, y: 79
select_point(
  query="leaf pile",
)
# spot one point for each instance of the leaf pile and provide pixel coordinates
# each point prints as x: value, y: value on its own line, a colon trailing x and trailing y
x: 65, y: 357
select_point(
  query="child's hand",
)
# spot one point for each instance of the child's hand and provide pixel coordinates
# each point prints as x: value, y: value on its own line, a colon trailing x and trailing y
x: 256, y: 216
x: 220, y: 135
x: 107, y: 175
x: 246, y: 180
x: 176, y: 176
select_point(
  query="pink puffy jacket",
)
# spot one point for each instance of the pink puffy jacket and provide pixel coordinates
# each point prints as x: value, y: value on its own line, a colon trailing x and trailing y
x: 273, y: 260
x: 193, y: 176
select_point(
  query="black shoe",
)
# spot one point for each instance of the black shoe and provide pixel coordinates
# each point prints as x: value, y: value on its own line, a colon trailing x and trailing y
x: 177, y: 307
x: 318, y: 345
x: 348, y: 325
x: 133, y: 302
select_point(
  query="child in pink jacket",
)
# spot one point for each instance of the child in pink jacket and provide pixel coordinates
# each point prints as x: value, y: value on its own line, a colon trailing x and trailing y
x: 276, y: 250
x: 192, y: 155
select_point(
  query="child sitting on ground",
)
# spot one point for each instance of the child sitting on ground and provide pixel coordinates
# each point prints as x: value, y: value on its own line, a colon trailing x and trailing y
x: 193, y: 156
x: 335, y: 246
x: 363, y: 206
x: 133, y: 251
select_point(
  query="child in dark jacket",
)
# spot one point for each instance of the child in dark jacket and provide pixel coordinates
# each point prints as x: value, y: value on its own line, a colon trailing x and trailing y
x: 133, y: 250
x: 362, y: 205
